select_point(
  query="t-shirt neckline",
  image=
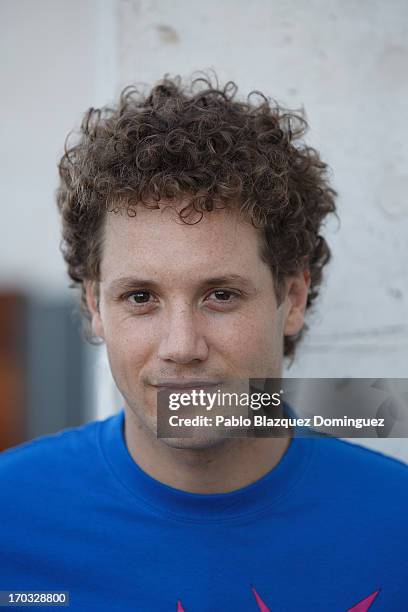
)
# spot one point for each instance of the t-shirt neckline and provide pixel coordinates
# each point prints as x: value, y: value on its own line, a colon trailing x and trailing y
x: 254, y: 498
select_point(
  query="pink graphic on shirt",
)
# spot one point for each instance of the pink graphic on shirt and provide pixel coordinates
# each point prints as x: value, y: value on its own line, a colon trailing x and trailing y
x: 364, y: 604
x: 261, y: 605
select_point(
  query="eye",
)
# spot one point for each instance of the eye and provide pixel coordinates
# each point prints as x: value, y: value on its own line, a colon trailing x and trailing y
x: 223, y: 295
x: 223, y: 298
x: 139, y: 297
x: 140, y: 302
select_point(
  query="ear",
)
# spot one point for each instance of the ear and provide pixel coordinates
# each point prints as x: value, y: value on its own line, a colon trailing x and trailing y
x: 93, y: 305
x: 295, y: 302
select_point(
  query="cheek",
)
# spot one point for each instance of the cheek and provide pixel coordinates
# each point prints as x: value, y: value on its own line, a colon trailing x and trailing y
x: 261, y: 345
x: 253, y: 342
x: 129, y: 348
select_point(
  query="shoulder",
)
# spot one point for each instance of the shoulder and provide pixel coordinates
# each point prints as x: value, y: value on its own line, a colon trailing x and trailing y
x: 39, y: 458
x: 360, y: 471
x: 44, y: 484
x: 354, y: 453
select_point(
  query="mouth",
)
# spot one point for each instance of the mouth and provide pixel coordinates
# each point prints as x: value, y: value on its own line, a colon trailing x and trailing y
x: 186, y: 385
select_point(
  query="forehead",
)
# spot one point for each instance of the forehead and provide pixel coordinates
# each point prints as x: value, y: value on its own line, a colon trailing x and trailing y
x: 158, y: 240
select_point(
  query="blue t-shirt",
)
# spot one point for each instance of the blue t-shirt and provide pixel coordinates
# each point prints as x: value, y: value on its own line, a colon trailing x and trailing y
x: 325, y: 530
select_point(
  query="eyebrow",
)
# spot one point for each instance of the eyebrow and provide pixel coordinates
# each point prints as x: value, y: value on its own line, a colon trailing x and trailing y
x: 130, y: 282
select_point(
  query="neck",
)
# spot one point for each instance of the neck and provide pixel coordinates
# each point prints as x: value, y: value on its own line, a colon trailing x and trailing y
x: 221, y: 468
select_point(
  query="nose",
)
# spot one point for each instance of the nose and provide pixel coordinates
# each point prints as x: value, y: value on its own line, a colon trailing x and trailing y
x: 183, y: 341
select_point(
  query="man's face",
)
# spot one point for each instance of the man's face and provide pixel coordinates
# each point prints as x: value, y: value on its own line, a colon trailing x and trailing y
x: 187, y: 303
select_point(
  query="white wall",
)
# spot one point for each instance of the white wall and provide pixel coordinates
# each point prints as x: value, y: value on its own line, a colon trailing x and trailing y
x: 57, y: 60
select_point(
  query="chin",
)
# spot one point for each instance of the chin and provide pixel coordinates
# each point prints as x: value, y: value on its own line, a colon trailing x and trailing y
x: 194, y: 443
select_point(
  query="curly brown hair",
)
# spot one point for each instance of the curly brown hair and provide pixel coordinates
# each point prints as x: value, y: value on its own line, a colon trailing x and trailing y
x: 197, y: 140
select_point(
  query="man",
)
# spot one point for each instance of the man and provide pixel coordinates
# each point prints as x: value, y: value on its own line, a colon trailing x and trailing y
x: 191, y: 223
